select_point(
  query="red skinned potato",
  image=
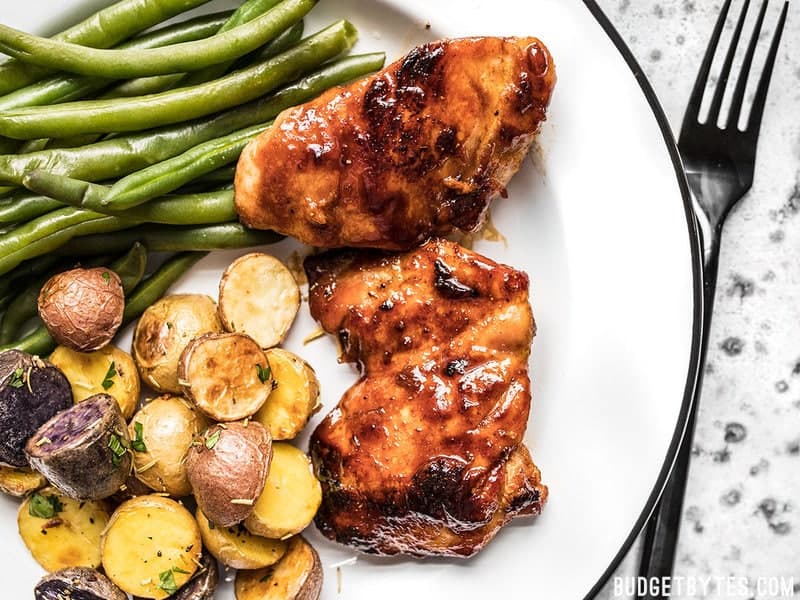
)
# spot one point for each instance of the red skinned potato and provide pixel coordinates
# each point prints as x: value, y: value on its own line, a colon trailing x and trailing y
x: 82, y: 308
x: 227, y: 468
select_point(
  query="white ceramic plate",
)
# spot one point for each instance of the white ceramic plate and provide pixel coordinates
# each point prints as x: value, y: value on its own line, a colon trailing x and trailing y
x: 597, y: 218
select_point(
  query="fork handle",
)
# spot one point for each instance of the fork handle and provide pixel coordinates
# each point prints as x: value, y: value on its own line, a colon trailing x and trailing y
x: 661, y: 533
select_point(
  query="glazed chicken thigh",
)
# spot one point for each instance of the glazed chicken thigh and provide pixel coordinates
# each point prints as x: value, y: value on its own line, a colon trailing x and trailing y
x: 424, y: 455
x: 415, y: 150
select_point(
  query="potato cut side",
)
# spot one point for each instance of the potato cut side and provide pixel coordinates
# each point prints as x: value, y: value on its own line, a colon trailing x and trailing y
x: 164, y: 330
x: 297, y: 576
x: 227, y: 375
x: 237, y: 548
x: 291, y: 496
x: 294, y: 398
x: 162, y: 433
x: 61, y: 532
x: 259, y: 296
x: 19, y: 481
x: 151, y: 546
x: 106, y: 371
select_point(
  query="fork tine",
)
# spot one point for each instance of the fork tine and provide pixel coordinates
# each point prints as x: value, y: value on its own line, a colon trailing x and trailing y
x: 722, y: 83
x: 741, y: 83
x: 696, y: 97
x: 760, y: 99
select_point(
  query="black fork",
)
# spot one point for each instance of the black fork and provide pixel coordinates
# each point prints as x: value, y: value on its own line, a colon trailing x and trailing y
x: 719, y: 161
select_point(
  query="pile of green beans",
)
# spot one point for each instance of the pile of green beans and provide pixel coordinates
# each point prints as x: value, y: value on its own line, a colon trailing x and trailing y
x: 119, y: 138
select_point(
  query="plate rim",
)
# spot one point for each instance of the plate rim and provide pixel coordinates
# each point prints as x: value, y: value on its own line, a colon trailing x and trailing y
x: 696, y: 354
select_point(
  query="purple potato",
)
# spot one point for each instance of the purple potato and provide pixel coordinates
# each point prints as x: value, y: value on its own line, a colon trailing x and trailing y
x: 31, y: 392
x: 83, y: 451
x: 77, y: 583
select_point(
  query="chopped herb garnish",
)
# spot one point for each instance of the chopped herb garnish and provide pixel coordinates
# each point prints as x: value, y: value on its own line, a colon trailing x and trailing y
x: 264, y: 373
x: 107, y: 277
x: 108, y: 379
x: 138, y: 442
x: 211, y: 440
x: 118, y: 449
x: 166, y: 581
x: 16, y: 378
x: 179, y: 570
x: 44, y: 507
x: 169, y: 325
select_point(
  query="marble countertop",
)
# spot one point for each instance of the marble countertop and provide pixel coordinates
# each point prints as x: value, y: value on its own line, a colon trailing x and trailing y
x: 742, y: 508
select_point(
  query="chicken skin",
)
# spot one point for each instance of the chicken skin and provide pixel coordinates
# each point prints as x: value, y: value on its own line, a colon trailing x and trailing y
x: 416, y: 150
x: 424, y: 455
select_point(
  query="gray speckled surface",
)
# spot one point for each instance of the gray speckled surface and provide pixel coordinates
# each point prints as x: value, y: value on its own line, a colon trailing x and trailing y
x: 742, y: 510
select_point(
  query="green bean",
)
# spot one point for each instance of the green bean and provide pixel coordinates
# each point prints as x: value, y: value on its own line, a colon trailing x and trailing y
x: 155, y: 286
x: 130, y: 268
x: 64, y: 88
x: 51, y: 231
x: 223, y: 175
x: 28, y: 269
x: 172, y: 239
x: 101, y: 30
x: 176, y: 58
x: 113, y: 158
x: 169, y: 175
x: 187, y: 209
x: 23, y: 207
x: 125, y: 114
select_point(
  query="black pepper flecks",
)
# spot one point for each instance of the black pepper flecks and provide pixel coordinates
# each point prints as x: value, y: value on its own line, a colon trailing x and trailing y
x: 721, y: 456
x: 688, y: 7
x: 792, y: 205
x: 772, y: 511
x: 732, y: 346
x: 781, y: 386
x: 693, y: 516
x: 735, y: 433
x: 793, y: 448
x: 731, y: 498
x: 655, y: 55
x: 761, y: 466
x: 741, y: 287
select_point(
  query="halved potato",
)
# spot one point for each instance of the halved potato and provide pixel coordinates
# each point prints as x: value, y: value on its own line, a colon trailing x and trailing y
x: 292, y: 494
x: 151, y: 546
x: 162, y: 433
x: 236, y: 547
x: 106, y: 371
x: 164, y: 330
x: 18, y: 481
x: 227, y: 375
x: 259, y: 296
x: 297, y: 576
x: 294, y: 397
x: 61, y: 532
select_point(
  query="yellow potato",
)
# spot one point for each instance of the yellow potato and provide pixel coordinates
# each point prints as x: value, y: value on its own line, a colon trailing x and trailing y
x: 236, y: 547
x: 165, y: 427
x: 297, y: 576
x: 151, y: 546
x: 291, y: 496
x: 295, y: 396
x: 61, y: 532
x: 91, y: 373
x: 19, y: 481
x: 258, y: 296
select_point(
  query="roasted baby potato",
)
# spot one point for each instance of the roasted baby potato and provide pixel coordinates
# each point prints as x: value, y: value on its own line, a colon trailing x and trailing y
x: 164, y: 330
x: 82, y: 308
x: 203, y: 583
x: 108, y: 370
x: 61, y: 532
x: 294, y: 397
x: 227, y: 375
x: 31, y: 392
x: 83, y: 451
x: 291, y: 496
x: 227, y: 467
x: 162, y: 433
x: 151, y: 546
x: 237, y: 548
x: 297, y: 576
x: 77, y: 583
x: 18, y: 481
x: 259, y: 296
